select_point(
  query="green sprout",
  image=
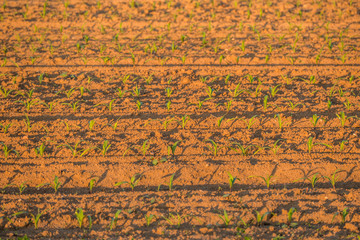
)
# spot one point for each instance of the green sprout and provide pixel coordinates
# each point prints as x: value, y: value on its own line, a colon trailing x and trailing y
x: 133, y: 182
x: 225, y: 218
x: 114, y: 220
x: 266, y: 179
x: 231, y: 180
x: 79, y: 213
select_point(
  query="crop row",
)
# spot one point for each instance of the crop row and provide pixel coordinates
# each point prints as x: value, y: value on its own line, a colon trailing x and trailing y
x: 133, y: 182
x: 83, y: 148
x: 278, y: 121
x: 225, y: 219
x: 232, y: 48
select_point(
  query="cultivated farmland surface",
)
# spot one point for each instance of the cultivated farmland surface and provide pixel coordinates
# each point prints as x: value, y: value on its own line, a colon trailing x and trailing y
x: 179, y: 119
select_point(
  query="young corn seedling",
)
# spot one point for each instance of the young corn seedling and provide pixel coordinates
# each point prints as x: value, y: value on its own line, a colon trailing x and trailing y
x: 343, y: 58
x: 266, y: 180
x: 104, y: 148
x: 311, y: 144
x: 221, y: 58
x: 265, y: 102
x: 237, y: 91
x: 311, y: 80
x: 228, y: 105
x: 6, y: 151
x: 56, y: 184
x: 125, y: 78
x: 22, y: 187
x: 287, y: 79
x: 280, y: 121
x: 5, y: 128
x: 79, y: 213
x: 175, y: 220
x: 227, y: 78
x: 168, y: 92
x: 114, y: 220
x: 49, y: 105
x: 276, y: 147
x: 329, y: 103
x: 39, y: 151
x: 91, y: 125
x: 166, y: 123
x: 231, y: 180
x: 26, y: 94
x: 333, y: 178
x: 133, y: 182
x: 92, y: 184
x: 138, y: 105
x: 90, y: 222
x: 74, y: 106
x: 5, y: 92
x: 347, y: 104
x: 36, y: 218
x: 250, y: 122
x: 242, y: 46
x: 120, y: 93
x: 203, y: 79
x: 219, y: 121
x: 292, y: 60
x: 10, y: 217
x: 313, y: 180
x: 250, y: 78
x: 148, y: 79
x: 315, y: 119
x: 258, y: 90
x: 200, y: 104
x: 341, y: 92
x: 213, y: 147
x: 260, y: 217
x: 29, y: 103
x: 274, y: 90
x: 343, y: 118
x: 145, y: 147
x: 342, y: 145
x: 70, y: 92
x: 168, y: 105
x: 243, y: 150
x: 267, y: 58
x: 171, y: 181
x: 183, y: 59
x: 171, y: 149
x: 75, y: 149
x: 225, y: 218
x: 136, y: 91
x: 183, y: 121
x: 210, y: 92
x: 343, y: 214
x: 4, y: 62
x: 115, y: 124
x: 149, y: 218
x: 109, y: 105
x: 290, y: 217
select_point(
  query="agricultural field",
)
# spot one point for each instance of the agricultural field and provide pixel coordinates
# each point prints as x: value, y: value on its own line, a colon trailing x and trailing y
x: 180, y: 119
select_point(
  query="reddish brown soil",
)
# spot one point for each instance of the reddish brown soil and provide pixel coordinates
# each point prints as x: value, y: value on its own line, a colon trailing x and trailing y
x: 307, y: 50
